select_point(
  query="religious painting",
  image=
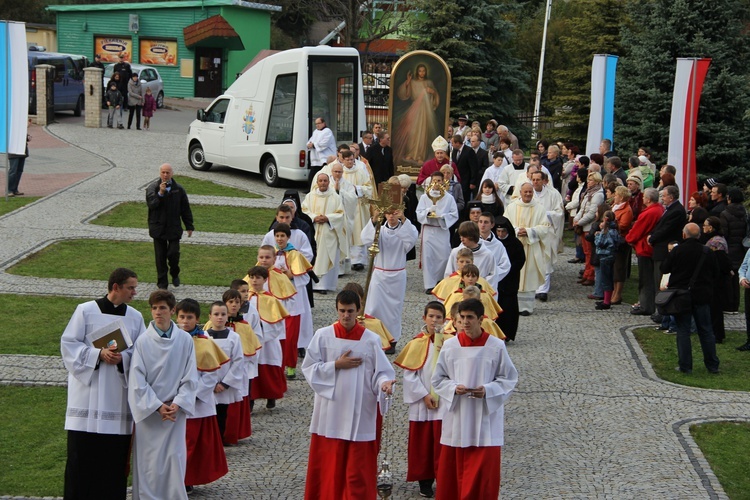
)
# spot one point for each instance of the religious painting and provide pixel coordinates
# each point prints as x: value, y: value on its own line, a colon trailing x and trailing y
x: 419, y: 106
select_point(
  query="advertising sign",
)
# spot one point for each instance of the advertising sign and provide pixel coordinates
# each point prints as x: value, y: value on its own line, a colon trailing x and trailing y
x: 158, y: 52
x: 110, y: 48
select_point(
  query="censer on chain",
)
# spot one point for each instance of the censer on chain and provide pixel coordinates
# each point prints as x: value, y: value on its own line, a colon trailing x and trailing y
x: 385, y: 476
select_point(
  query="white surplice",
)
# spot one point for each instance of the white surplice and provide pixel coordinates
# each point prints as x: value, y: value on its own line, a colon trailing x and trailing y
x: 501, y: 254
x: 271, y: 353
x: 533, y: 217
x: 97, y: 397
x: 324, y: 145
x: 436, y: 239
x: 385, y: 298
x: 474, y: 421
x: 162, y: 371
x: 346, y: 400
x: 417, y: 384
x: 233, y: 373
x: 205, y: 402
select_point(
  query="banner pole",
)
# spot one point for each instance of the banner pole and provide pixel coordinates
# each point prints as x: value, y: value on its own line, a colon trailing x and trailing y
x: 7, y: 111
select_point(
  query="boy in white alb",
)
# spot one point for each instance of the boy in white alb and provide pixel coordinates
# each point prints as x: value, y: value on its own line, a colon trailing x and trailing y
x: 418, y: 359
x: 161, y: 392
x: 474, y: 377
x: 346, y: 367
x: 388, y: 282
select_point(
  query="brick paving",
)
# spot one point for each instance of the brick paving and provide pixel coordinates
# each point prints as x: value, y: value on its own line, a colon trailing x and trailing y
x: 589, y: 418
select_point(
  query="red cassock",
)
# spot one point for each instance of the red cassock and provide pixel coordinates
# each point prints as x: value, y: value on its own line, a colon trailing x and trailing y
x: 341, y: 470
x: 468, y: 473
x: 206, y: 461
x: 289, y: 345
x: 424, y: 450
x: 238, y: 421
x: 269, y: 384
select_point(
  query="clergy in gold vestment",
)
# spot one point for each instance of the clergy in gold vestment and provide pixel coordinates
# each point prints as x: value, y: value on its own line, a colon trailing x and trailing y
x: 533, y: 230
x: 324, y: 206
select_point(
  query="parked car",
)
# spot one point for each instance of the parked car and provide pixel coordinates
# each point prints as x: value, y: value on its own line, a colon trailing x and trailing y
x: 67, y: 77
x: 149, y: 76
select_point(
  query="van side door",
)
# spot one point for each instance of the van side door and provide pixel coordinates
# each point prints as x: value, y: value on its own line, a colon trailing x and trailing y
x: 213, y: 131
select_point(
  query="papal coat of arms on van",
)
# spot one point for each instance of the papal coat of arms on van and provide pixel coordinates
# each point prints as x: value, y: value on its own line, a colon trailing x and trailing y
x: 248, y: 121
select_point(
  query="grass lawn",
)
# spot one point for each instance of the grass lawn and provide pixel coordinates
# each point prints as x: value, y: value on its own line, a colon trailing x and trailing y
x: 208, y: 188
x: 200, y: 264
x: 661, y: 350
x: 32, y: 440
x: 14, y: 203
x: 725, y: 446
x: 208, y: 218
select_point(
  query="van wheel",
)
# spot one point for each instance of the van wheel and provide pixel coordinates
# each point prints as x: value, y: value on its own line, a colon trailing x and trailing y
x: 160, y: 100
x: 79, y: 106
x: 197, y: 158
x: 271, y: 173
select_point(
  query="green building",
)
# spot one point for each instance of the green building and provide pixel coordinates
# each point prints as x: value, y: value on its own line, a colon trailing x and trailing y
x: 198, y: 46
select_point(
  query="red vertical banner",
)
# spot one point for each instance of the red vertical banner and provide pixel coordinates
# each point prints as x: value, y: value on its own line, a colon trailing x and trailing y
x: 688, y: 85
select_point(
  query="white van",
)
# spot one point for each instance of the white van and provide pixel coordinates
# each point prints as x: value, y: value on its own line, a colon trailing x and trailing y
x: 263, y: 121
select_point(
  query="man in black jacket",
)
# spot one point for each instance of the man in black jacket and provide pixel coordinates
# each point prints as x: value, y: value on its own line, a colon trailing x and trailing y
x: 669, y: 228
x: 467, y: 165
x: 381, y: 158
x: 681, y: 262
x: 168, y: 209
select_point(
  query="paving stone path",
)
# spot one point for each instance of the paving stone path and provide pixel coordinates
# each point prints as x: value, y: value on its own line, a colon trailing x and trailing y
x: 589, y: 418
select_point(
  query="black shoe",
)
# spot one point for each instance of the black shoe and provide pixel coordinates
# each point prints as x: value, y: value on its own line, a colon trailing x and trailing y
x: 301, y: 353
x: 425, y: 488
x: 661, y: 328
x: 270, y: 404
x: 110, y: 126
x: 428, y: 291
x: 322, y: 292
x: 541, y: 296
x: 657, y: 318
x: 602, y: 306
x: 678, y: 369
x: 525, y: 313
x: 176, y: 281
x: 138, y: 128
x: 391, y: 350
x: 120, y: 127
x: 744, y: 347
x: 252, y: 405
x: 637, y: 311
x: 358, y: 267
x: 161, y: 286
x: 188, y: 489
x: 576, y: 261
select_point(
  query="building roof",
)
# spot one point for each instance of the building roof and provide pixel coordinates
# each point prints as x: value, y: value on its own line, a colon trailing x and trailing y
x: 164, y: 5
x: 212, y: 32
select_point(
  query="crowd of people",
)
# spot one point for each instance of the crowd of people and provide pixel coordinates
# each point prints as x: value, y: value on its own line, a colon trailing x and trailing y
x: 490, y: 237
x: 124, y: 92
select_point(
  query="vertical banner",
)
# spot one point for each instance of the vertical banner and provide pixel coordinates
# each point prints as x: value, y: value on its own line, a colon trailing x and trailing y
x: 688, y: 85
x: 14, y: 87
x: 602, y: 116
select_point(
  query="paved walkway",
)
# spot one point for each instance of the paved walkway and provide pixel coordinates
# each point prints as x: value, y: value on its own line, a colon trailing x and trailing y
x: 589, y: 418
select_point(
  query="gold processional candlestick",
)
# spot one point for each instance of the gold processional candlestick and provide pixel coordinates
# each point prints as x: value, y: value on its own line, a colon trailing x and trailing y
x: 388, y: 199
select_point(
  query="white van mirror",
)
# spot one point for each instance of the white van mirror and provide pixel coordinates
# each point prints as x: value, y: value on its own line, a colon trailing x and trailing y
x: 201, y: 115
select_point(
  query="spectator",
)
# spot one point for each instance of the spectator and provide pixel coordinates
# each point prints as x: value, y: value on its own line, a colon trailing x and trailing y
x: 734, y: 228
x: 624, y: 218
x: 637, y: 237
x: 689, y: 259
x: 718, y: 199
x: 135, y: 101
x: 491, y: 139
x: 745, y: 283
x: 168, y: 209
x: 585, y: 219
x: 721, y: 287
x: 123, y: 69
x: 15, y: 171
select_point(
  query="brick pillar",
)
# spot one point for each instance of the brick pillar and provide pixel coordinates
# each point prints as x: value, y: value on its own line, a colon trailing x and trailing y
x: 92, y: 91
x: 41, y: 93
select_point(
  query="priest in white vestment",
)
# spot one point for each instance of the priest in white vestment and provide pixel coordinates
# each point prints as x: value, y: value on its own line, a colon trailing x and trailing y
x: 321, y: 144
x: 533, y: 230
x: 347, y: 369
x: 161, y: 392
x: 474, y: 377
x: 349, y: 200
x: 436, y: 218
x: 97, y: 415
x: 359, y: 176
x: 385, y: 298
x: 324, y: 207
x: 551, y: 200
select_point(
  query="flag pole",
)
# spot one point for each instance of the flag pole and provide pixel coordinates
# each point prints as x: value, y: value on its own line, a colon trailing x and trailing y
x: 7, y: 111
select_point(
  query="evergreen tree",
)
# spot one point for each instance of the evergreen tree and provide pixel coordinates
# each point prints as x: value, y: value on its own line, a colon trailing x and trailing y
x: 474, y: 39
x: 661, y: 31
x: 593, y: 29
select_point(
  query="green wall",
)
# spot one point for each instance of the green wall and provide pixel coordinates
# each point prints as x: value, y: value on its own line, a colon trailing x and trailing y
x: 76, y: 32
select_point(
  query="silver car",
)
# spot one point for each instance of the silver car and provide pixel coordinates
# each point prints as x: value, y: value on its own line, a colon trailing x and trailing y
x: 149, y: 78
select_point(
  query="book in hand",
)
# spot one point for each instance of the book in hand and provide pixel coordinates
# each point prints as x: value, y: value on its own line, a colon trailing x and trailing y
x: 112, y: 335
